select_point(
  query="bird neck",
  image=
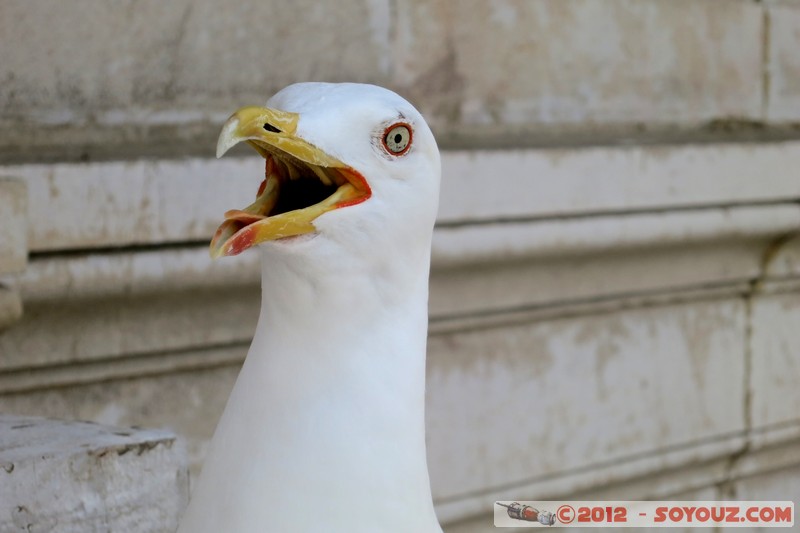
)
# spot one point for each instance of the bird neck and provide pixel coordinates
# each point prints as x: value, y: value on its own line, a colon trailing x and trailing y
x: 329, y: 406
x: 343, y: 337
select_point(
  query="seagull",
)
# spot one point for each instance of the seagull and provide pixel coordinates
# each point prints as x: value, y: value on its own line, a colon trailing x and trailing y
x: 325, y: 427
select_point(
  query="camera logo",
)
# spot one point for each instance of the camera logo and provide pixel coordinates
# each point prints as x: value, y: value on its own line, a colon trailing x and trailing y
x: 526, y: 513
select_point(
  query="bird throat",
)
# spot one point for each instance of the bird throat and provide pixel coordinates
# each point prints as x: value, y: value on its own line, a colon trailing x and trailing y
x: 327, y: 412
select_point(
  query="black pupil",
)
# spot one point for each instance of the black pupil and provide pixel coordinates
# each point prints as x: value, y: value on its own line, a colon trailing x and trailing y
x: 398, y: 138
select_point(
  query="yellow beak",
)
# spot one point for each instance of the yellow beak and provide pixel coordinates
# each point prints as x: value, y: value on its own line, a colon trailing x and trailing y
x: 297, y: 175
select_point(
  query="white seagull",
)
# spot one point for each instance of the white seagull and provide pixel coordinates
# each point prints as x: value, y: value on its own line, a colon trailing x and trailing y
x: 325, y: 428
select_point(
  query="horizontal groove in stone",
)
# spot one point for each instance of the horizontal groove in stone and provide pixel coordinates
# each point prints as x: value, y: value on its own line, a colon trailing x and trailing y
x: 161, y: 269
x: 587, y: 306
x: 28, y: 379
x: 109, y: 143
x: 603, y: 233
x: 131, y: 366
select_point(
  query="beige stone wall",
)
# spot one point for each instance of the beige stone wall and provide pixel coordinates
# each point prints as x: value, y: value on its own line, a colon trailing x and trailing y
x: 615, y: 292
x: 82, y: 79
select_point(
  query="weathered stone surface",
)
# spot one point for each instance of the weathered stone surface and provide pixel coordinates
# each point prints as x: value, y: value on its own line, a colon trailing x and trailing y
x: 784, y: 62
x: 781, y: 484
x: 13, y: 225
x: 567, y: 389
x: 10, y: 307
x: 580, y: 62
x: 783, y: 259
x: 776, y: 359
x: 73, y: 62
x: 144, y: 76
x: 65, y: 477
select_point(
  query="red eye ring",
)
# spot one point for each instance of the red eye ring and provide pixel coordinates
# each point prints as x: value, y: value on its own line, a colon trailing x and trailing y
x: 400, y: 140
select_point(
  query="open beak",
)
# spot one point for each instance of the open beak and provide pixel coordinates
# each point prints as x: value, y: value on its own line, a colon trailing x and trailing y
x: 301, y: 182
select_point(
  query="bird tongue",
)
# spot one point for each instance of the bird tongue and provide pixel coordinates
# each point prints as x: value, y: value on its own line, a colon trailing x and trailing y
x: 236, y: 219
x: 260, y: 209
x: 266, y: 198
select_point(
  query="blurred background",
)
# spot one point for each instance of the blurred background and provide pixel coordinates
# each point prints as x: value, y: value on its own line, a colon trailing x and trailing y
x: 615, y: 296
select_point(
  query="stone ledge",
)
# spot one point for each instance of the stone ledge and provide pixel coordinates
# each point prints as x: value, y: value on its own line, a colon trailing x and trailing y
x: 142, y: 319
x: 13, y: 232
x: 64, y: 477
x: 91, y: 368
x: 137, y: 272
x: 108, y: 205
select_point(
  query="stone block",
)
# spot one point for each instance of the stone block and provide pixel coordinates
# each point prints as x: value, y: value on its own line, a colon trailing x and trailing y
x: 532, y: 64
x: 65, y: 477
x: 783, y: 67
x: 189, y: 402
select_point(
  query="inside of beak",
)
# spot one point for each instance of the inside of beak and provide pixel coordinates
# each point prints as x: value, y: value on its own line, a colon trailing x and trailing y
x: 301, y: 182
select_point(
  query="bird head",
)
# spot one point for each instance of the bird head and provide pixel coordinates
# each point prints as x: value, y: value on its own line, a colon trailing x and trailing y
x: 347, y: 165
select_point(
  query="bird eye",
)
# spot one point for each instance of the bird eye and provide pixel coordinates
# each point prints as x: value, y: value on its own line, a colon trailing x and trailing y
x: 397, y: 139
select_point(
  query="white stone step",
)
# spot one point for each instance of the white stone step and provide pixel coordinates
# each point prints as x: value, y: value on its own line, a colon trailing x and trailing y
x: 64, y: 477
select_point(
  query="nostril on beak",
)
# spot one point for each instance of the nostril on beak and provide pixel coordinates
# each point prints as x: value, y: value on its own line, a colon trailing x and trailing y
x: 270, y: 127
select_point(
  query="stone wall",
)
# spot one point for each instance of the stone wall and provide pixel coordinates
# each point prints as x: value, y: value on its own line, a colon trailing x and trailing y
x: 133, y: 78
x: 615, y: 291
